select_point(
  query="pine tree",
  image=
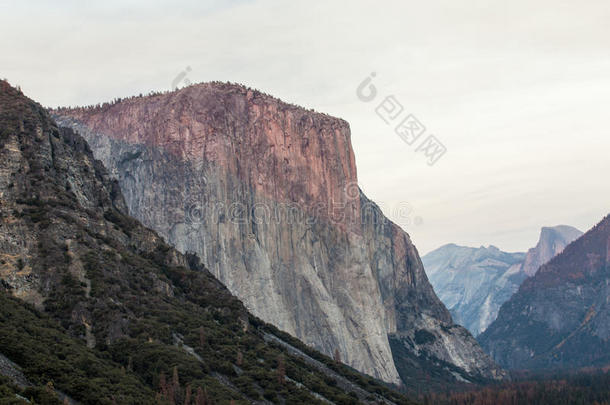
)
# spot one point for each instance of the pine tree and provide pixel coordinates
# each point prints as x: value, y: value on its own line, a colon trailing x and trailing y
x: 202, y: 339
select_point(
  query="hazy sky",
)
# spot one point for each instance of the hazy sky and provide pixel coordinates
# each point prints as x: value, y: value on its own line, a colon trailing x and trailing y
x: 517, y: 91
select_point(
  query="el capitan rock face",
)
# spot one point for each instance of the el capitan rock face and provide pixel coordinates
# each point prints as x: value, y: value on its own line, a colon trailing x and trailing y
x: 266, y: 194
x: 118, y: 309
x: 560, y: 317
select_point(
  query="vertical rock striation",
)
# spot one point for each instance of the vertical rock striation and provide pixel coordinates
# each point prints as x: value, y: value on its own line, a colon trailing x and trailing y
x: 266, y: 194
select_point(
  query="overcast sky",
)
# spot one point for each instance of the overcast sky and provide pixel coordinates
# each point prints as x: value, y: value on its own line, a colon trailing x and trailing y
x: 518, y: 91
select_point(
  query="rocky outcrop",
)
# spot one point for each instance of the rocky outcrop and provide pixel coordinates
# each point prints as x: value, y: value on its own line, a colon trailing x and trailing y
x: 552, y: 242
x: 560, y: 317
x: 474, y: 282
x: 266, y: 193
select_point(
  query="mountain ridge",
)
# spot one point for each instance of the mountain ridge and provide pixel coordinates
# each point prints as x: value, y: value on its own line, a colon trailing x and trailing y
x: 566, y: 301
x: 474, y: 282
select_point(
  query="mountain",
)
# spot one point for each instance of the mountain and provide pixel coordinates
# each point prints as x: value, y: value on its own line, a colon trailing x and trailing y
x: 473, y: 283
x: 97, y: 309
x: 560, y: 317
x: 552, y: 242
x: 266, y: 194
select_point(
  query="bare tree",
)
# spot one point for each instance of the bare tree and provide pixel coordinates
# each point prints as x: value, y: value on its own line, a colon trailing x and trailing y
x: 200, y: 398
x: 240, y: 358
x: 187, y: 395
x: 281, y: 369
x: 175, y: 378
x: 163, y: 385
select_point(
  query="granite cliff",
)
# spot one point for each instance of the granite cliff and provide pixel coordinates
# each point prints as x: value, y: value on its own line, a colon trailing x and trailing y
x: 97, y: 309
x: 552, y: 242
x: 266, y: 194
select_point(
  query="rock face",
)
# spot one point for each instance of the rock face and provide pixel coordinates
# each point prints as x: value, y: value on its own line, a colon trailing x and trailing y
x: 118, y: 308
x: 266, y: 194
x: 560, y: 317
x: 552, y: 242
x: 473, y: 283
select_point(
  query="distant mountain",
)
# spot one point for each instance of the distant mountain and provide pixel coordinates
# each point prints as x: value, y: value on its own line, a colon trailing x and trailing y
x: 552, y: 242
x: 96, y: 308
x: 560, y: 317
x: 474, y: 282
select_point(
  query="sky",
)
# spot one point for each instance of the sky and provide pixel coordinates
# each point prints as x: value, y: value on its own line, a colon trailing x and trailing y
x: 517, y: 92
